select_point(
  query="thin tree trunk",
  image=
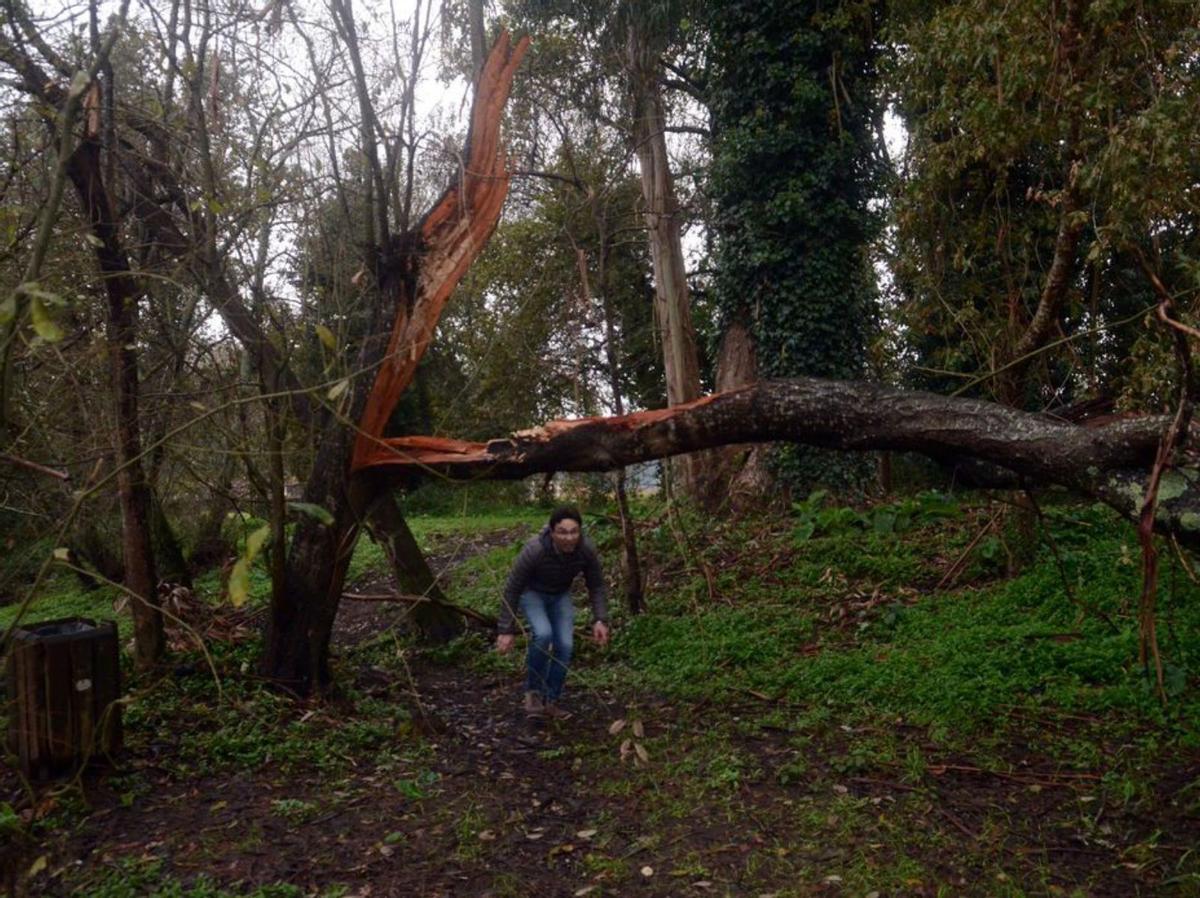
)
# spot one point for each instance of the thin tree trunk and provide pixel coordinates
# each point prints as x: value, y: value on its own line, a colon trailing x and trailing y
x: 437, y: 621
x: 121, y: 333
x: 208, y: 544
x: 170, y: 561
x: 634, y: 594
x: 478, y: 37
x: 632, y: 567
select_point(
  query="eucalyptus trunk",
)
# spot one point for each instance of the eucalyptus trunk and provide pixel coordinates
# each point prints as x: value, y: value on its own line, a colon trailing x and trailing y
x: 672, y: 304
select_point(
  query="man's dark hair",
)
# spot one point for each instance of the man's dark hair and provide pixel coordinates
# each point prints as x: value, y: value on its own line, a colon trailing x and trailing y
x: 564, y: 512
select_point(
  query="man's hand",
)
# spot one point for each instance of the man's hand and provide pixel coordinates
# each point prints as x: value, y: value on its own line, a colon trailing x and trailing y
x: 600, y: 632
x: 505, y: 642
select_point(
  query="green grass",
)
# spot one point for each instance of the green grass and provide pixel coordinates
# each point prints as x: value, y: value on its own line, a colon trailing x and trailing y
x: 138, y: 878
x: 62, y: 595
x: 955, y: 659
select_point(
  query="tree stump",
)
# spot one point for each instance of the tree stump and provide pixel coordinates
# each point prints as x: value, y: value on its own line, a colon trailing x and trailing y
x: 64, y: 680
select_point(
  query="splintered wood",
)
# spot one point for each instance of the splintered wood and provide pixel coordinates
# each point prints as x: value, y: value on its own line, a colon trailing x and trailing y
x: 451, y: 236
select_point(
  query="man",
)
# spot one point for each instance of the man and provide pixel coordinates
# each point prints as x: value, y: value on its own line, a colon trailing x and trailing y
x: 540, y: 585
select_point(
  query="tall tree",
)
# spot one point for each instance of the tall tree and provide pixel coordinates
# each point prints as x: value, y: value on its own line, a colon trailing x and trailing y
x: 617, y: 50
x: 407, y: 281
x: 647, y: 28
x: 794, y: 102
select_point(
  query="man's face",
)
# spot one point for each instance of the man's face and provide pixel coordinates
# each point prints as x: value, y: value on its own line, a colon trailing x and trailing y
x: 565, y: 535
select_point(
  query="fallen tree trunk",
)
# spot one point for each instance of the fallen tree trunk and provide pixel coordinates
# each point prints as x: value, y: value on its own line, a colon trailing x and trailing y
x: 1109, y: 463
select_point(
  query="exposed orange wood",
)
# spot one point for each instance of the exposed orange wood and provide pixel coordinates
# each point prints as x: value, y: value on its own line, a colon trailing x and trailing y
x: 452, y: 234
x: 418, y: 451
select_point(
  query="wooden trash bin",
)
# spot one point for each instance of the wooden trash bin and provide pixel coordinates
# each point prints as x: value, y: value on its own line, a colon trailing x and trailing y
x: 64, y: 679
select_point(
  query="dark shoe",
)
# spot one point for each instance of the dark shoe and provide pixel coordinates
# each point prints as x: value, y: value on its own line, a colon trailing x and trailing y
x: 552, y: 709
x: 534, y: 705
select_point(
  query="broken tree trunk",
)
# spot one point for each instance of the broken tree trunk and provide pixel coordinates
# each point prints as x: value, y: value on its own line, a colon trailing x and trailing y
x: 1109, y: 463
x: 412, y: 278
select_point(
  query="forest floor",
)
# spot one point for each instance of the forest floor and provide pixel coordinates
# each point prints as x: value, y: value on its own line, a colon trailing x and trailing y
x: 782, y: 745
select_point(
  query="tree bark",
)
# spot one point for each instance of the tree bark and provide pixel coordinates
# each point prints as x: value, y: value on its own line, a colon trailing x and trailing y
x: 741, y: 472
x: 632, y: 567
x: 672, y: 305
x: 122, y: 292
x: 1109, y: 463
x: 436, y: 620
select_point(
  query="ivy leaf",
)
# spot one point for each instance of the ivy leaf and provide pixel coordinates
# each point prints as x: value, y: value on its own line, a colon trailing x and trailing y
x: 44, y: 324
x: 313, y: 510
x: 327, y: 337
x: 239, y: 577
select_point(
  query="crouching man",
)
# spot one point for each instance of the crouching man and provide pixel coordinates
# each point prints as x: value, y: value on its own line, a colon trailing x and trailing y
x: 540, y: 585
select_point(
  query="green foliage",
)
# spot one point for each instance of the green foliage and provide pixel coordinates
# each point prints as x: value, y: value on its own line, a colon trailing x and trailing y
x: 813, y: 519
x: 1021, y: 123
x: 61, y: 596
x: 531, y: 346
x: 139, y: 878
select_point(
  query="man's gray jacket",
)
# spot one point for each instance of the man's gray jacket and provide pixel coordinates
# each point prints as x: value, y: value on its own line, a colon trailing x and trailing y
x: 541, y: 567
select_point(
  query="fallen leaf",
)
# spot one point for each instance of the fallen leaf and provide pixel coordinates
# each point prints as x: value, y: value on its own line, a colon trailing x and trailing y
x: 647, y: 871
x: 487, y: 836
x: 642, y: 754
x: 585, y: 833
x: 37, y: 866
x: 586, y: 890
x: 639, y: 730
x: 616, y: 726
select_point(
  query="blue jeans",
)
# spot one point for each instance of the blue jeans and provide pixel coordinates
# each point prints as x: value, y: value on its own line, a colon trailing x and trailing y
x: 552, y: 619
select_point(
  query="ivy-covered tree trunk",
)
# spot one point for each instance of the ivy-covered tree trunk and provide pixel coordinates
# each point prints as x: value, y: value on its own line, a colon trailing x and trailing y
x: 793, y: 98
